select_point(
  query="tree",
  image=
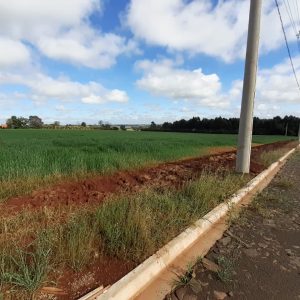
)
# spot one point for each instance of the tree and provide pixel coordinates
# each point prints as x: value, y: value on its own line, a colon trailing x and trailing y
x: 35, y: 122
x: 153, y: 125
x: 83, y: 124
x: 15, y: 122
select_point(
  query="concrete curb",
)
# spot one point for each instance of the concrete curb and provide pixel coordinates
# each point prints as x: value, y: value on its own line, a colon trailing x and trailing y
x: 132, y: 284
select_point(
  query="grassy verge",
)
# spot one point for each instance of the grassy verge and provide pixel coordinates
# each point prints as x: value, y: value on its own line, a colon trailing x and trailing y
x: 269, y: 157
x: 130, y: 227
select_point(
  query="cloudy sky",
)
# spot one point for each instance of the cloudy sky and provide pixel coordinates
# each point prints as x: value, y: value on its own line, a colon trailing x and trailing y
x: 134, y: 61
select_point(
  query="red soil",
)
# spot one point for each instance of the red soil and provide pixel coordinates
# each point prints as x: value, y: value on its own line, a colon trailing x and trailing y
x: 95, y: 190
x: 104, y: 271
x: 92, y: 191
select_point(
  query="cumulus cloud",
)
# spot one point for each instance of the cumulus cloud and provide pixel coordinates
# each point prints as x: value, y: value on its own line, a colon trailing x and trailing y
x: 110, y: 96
x: 43, y: 88
x: 200, y: 27
x: 164, y: 78
x: 13, y: 53
x: 60, y: 30
x: 276, y: 90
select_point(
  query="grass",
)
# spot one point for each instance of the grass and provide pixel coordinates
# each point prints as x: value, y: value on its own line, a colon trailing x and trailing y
x: 269, y: 157
x: 25, y: 269
x: 276, y: 197
x: 225, y: 272
x: 185, y: 278
x: 130, y: 227
x: 31, y: 158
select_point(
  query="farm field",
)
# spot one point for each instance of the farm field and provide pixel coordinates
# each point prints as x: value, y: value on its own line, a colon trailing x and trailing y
x: 106, y: 201
x: 30, y: 159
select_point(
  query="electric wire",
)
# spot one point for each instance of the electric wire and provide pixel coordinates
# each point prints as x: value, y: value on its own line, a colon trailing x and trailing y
x: 287, y: 45
x: 289, y: 12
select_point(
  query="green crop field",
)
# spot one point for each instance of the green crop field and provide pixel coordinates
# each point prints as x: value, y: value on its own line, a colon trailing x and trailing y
x: 30, y: 158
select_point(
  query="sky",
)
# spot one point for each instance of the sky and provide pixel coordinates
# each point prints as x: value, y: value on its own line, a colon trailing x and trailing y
x: 137, y: 61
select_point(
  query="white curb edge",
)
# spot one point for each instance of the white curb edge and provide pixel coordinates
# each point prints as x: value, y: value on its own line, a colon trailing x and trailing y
x: 132, y: 284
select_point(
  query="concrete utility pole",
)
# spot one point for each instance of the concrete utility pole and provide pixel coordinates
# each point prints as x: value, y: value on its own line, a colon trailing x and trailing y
x: 246, y: 116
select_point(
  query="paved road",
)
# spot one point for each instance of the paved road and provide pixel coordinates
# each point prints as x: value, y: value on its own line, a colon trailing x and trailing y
x: 259, y: 258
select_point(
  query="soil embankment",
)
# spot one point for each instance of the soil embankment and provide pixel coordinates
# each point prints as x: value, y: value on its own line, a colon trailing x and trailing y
x: 94, y: 190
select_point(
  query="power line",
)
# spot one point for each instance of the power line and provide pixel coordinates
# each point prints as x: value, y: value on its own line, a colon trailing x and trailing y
x: 294, y: 22
x: 289, y: 11
x: 287, y: 45
x: 297, y: 9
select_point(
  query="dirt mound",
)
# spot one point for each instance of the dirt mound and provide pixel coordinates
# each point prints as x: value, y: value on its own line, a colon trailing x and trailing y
x: 95, y: 190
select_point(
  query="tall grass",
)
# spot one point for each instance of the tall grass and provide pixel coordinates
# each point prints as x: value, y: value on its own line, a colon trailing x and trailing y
x: 152, y: 218
x: 268, y: 157
x: 130, y: 227
x: 25, y: 268
x: 33, y: 158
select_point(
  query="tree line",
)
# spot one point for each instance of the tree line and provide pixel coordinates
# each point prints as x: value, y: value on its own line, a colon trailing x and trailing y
x: 36, y: 122
x: 21, y: 122
x: 289, y: 125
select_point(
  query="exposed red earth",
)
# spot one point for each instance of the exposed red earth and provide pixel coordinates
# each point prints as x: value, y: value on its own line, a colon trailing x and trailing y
x: 95, y: 190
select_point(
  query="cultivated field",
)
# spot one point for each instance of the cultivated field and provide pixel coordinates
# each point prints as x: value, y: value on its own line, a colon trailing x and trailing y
x: 88, y: 225
x: 33, y: 158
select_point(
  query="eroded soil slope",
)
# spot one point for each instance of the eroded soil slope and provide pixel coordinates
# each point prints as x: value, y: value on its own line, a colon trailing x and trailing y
x: 95, y: 190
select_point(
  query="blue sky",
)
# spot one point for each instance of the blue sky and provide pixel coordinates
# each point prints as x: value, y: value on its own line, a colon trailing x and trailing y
x: 137, y: 61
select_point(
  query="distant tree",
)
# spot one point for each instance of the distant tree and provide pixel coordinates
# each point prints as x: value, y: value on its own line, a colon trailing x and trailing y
x: 56, y: 123
x: 83, y: 124
x: 122, y: 127
x: 153, y: 125
x: 282, y: 126
x: 100, y: 123
x: 15, y: 122
x: 35, y: 122
x: 11, y: 122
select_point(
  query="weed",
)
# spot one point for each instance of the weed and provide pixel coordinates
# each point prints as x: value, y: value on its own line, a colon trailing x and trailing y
x: 134, y: 227
x: 233, y: 215
x: 25, y: 269
x: 269, y: 157
x: 76, y: 241
x: 185, y: 278
x: 282, y: 184
x: 130, y: 227
x: 258, y: 204
x: 225, y: 272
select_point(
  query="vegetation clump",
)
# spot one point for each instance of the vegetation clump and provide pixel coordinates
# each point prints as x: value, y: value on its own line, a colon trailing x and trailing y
x: 130, y: 227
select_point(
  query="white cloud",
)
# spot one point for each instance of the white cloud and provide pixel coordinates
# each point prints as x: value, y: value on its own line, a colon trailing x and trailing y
x: 61, y: 30
x: 110, y: 96
x: 13, y: 53
x: 117, y: 96
x: 200, y: 27
x: 43, y: 88
x: 276, y: 90
x: 164, y: 78
x: 85, y: 46
x: 92, y: 99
